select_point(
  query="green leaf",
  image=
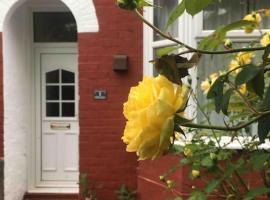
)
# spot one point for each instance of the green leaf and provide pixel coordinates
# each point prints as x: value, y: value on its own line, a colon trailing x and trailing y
x: 258, y: 159
x: 166, y: 132
x: 207, y: 162
x: 216, y: 93
x: 197, y: 195
x: 256, y: 192
x: 263, y: 127
x: 179, y: 120
x: 247, y: 74
x: 266, y: 100
x: 257, y: 84
x: 143, y: 3
x: 218, y: 100
x: 211, y: 185
x: 195, y: 6
x: 177, y: 12
x: 215, y: 39
x: 237, y: 25
x: 167, y: 65
x: 184, y: 161
x: 225, y: 101
x: 216, y: 89
x: 178, y: 198
x: 266, y: 54
x: 166, y: 50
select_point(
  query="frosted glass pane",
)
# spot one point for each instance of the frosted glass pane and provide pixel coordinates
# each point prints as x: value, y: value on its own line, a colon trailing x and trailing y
x: 161, y: 16
x: 54, y: 27
x: 227, y: 11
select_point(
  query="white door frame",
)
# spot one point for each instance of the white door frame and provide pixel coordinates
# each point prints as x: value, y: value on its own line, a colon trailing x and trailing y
x: 35, y: 186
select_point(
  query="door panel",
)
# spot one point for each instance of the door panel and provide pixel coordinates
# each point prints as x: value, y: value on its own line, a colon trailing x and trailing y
x: 59, y: 117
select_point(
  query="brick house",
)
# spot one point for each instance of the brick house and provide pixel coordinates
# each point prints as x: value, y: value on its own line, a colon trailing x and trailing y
x: 61, y: 94
x: 56, y: 66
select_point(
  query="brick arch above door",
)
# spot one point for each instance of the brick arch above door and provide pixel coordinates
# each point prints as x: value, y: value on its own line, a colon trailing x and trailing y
x: 83, y: 10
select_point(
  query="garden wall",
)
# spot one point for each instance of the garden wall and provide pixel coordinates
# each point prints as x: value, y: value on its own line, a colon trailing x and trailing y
x: 150, y: 187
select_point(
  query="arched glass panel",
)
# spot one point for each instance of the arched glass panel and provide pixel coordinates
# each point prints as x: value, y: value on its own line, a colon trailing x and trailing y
x: 54, y: 27
x: 60, y: 93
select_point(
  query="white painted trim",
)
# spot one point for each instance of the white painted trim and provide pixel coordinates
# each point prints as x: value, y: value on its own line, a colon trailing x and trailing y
x: 83, y: 10
x: 35, y: 184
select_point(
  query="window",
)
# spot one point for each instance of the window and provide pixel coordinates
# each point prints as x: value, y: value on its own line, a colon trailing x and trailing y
x: 60, y: 93
x: 54, y: 27
x: 192, y: 30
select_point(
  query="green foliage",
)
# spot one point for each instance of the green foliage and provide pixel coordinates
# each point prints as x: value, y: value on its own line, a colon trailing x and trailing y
x: 197, y: 195
x: 248, y: 73
x: 166, y: 50
x: 257, y: 84
x: 195, y: 6
x: 258, y: 160
x: 85, y: 187
x: 226, y: 101
x: 124, y: 193
x: 216, y: 38
x: 266, y: 54
x: 238, y: 96
x: 176, y: 13
x: 256, y: 192
x: 132, y: 4
x: 263, y: 127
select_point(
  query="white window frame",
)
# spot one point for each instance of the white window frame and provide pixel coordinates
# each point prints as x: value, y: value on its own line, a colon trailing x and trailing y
x: 193, y: 33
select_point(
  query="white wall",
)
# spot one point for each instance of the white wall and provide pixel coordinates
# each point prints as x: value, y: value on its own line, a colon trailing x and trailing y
x: 17, y: 105
x: 83, y: 10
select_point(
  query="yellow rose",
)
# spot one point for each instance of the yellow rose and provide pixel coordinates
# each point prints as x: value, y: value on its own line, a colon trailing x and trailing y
x: 206, y: 85
x: 195, y: 173
x: 227, y: 43
x: 243, y: 89
x: 265, y: 39
x: 233, y: 65
x: 149, y: 112
x: 242, y: 58
x: 253, y: 17
x: 188, y: 152
x: 267, y: 12
x: 213, y: 77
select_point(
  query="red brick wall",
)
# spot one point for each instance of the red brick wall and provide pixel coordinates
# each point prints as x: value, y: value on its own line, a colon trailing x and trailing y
x: 150, y: 187
x: 102, y: 153
x: 1, y: 101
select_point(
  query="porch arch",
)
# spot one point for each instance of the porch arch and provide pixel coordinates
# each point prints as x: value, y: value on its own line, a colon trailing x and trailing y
x: 18, y: 79
x: 83, y: 11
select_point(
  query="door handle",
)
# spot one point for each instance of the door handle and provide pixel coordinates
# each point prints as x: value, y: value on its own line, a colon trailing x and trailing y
x: 60, y: 126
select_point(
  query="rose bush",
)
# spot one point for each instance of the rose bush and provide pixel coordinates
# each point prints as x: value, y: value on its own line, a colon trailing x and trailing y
x: 239, y: 96
x: 149, y: 111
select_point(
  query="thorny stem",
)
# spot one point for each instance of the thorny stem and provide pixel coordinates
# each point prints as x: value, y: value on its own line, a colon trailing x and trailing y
x: 207, y: 118
x: 223, y: 128
x: 241, y: 180
x: 251, y: 108
x: 191, y: 49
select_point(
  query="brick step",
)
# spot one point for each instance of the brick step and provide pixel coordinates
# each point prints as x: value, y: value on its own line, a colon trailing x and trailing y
x: 50, y: 196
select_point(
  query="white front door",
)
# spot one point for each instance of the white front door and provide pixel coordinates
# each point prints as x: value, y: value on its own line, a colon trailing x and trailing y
x: 57, y: 142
